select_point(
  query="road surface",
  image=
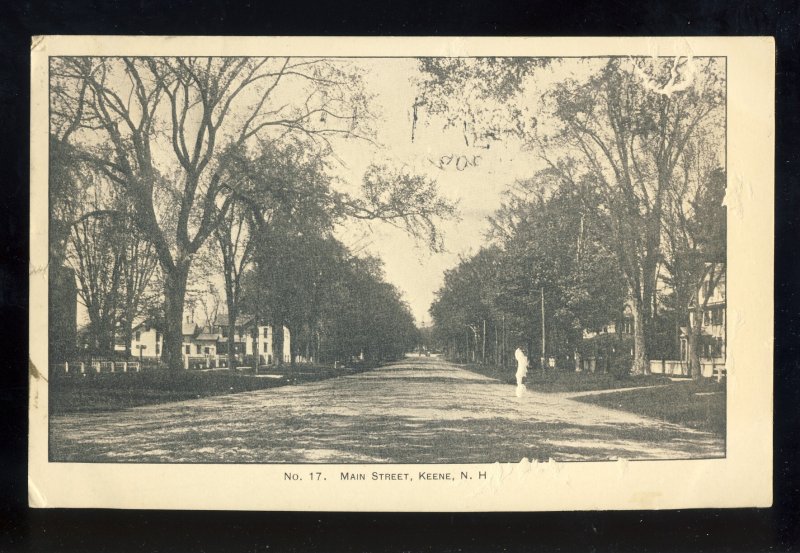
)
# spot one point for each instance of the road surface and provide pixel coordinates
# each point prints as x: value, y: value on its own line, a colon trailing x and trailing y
x: 417, y: 411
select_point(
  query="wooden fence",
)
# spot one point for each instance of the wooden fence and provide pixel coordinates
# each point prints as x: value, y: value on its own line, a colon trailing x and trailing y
x: 95, y: 366
x: 708, y: 367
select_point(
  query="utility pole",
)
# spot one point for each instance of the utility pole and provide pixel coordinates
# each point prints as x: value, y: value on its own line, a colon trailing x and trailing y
x: 495, y: 342
x: 483, y: 347
x: 543, y: 333
x: 503, y: 356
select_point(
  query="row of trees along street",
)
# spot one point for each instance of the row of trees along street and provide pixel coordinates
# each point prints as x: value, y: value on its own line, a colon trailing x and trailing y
x: 627, y: 208
x: 165, y: 172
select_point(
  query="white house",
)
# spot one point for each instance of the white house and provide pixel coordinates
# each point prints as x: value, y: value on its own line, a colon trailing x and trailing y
x: 207, y: 346
x: 264, y: 342
x: 624, y: 325
x: 146, y: 342
x: 244, y: 342
x: 713, y: 330
x: 241, y: 332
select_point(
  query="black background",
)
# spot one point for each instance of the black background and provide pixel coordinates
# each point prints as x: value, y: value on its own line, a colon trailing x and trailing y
x: 23, y: 529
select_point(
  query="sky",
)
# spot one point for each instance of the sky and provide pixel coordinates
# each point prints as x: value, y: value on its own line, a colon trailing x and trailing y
x: 478, y: 188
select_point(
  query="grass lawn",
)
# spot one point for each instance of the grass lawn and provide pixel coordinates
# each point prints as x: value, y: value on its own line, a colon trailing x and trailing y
x: 560, y: 380
x: 114, y: 391
x: 700, y: 405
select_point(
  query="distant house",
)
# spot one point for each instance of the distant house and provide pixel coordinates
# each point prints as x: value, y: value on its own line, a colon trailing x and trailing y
x: 147, y: 341
x: 188, y: 332
x: 207, y: 346
x: 199, y: 344
x: 605, y: 346
x: 713, y: 329
x: 206, y: 342
x: 264, y: 343
x: 623, y: 325
x: 248, y: 338
x: 241, y: 333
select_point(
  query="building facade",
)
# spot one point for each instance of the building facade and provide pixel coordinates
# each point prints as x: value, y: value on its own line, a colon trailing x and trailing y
x: 711, y: 298
x: 207, y: 346
x: 147, y: 342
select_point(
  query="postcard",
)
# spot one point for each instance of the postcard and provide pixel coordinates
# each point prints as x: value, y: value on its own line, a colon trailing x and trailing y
x: 401, y: 274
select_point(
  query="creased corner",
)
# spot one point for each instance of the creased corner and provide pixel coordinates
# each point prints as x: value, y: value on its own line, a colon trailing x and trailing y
x: 36, y: 41
x: 34, y: 373
x: 36, y: 498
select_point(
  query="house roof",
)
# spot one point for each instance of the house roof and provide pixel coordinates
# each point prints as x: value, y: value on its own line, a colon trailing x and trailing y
x: 146, y: 324
x: 188, y: 328
x: 241, y: 320
x: 207, y: 335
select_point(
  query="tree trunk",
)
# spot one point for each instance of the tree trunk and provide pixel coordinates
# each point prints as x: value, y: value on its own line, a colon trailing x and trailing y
x: 127, y: 333
x: 294, y: 347
x: 641, y: 361
x: 174, y: 295
x: 232, y: 315
x: 100, y: 333
x: 277, y: 343
x: 693, y: 345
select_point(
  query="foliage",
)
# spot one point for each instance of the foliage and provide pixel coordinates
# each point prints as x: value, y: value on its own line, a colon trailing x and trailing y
x: 407, y: 201
x: 546, y: 245
x: 136, y: 119
x: 202, y: 148
x: 620, y: 133
x: 482, y: 96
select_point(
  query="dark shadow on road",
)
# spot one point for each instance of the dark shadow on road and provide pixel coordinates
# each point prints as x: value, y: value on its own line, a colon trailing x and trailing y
x: 396, y: 439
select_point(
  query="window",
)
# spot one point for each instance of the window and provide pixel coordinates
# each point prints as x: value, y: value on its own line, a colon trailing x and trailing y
x: 706, y: 318
x: 158, y: 349
x: 197, y: 348
x: 138, y: 335
x: 265, y: 346
x: 717, y: 315
x: 713, y: 349
x: 207, y: 350
x: 188, y: 349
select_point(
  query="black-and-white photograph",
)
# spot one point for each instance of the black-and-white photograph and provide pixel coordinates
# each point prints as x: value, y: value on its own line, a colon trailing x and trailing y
x: 403, y: 260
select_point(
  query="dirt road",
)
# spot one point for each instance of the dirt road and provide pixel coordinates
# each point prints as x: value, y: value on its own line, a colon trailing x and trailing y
x: 416, y: 411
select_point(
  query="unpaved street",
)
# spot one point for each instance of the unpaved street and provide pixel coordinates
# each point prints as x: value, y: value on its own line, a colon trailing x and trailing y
x: 417, y: 411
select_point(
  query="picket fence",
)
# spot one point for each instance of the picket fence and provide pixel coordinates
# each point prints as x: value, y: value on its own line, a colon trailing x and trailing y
x: 95, y: 366
x: 708, y: 367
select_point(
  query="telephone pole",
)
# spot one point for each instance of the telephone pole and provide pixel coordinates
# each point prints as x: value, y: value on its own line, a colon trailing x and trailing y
x: 503, y: 356
x: 543, y: 333
x: 483, y: 347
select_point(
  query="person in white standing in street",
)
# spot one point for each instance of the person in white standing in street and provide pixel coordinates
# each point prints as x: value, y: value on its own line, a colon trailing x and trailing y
x: 522, y: 369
